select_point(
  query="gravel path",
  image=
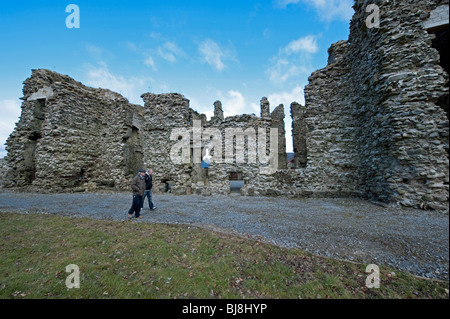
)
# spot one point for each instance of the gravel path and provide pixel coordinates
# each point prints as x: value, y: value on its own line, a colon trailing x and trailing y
x: 411, y: 240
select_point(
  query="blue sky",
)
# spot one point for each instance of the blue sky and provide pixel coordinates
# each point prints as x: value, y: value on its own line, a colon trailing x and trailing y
x: 233, y: 51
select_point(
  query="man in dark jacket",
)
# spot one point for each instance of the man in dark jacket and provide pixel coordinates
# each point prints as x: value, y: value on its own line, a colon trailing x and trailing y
x: 148, y: 190
x: 138, y: 187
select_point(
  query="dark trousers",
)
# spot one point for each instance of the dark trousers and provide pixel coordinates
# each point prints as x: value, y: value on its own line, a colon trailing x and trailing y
x: 147, y: 193
x: 136, y: 206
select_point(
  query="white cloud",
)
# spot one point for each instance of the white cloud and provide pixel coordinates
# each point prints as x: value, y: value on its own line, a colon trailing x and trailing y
x: 170, y: 51
x: 94, y: 51
x: 214, y: 55
x: 204, y: 106
x: 267, y: 33
x: 155, y: 35
x: 234, y: 103
x: 148, y: 61
x: 327, y: 10
x: 100, y: 54
x: 292, y: 60
x: 10, y: 110
x: 284, y: 69
x: 284, y: 3
x: 131, y: 87
x: 286, y: 97
x: 167, y: 55
x: 132, y: 46
x: 306, y: 44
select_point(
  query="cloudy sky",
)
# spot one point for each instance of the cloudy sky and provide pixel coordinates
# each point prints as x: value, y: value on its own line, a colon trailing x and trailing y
x: 235, y: 51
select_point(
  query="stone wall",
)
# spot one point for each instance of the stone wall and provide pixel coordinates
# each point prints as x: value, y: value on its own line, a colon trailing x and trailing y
x: 170, y: 122
x: 438, y: 17
x: 163, y: 113
x: 396, y: 78
x: 374, y: 124
x: 299, y: 130
x: 332, y: 161
x: 3, y: 170
x: 72, y: 136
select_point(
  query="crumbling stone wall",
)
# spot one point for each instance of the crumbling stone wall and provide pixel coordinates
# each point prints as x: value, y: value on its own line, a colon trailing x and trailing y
x: 332, y: 159
x: 397, y: 82
x: 299, y: 130
x: 3, y: 170
x: 167, y: 114
x: 72, y: 136
x: 374, y: 124
x: 438, y: 16
x: 372, y: 120
x: 163, y: 113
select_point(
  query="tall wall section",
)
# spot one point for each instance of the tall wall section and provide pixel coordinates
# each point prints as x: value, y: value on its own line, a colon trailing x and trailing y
x: 72, y: 136
x: 375, y: 119
x: 332, y: 161
x: 163, y: 114
x: 397, y: 81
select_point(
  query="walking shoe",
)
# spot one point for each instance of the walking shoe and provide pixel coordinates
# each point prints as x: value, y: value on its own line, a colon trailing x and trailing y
x: 153, y: 208
x: 130, y: 216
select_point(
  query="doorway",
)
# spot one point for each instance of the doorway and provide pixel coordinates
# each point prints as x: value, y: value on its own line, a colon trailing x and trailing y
x: 236, y: 182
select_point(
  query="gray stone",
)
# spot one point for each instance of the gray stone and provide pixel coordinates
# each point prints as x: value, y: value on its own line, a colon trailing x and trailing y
x: 374, y: 125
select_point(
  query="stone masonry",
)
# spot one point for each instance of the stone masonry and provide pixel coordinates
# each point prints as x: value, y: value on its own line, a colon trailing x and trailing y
x: 71, y: 136
x: 374, y: 125
x: 396, y: 82
x: 167, y: 113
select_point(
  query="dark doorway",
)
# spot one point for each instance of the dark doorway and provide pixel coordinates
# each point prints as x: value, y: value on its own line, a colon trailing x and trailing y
x: 133, y: 152
x: 236, y: 182
x: 31, y: 144
x: 441, y: 44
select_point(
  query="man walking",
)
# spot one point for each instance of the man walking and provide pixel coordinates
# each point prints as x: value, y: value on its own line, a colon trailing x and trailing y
x: 148, y: 190
x: 138, y: 187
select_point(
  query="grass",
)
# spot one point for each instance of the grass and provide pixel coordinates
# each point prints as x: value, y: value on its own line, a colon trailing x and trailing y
x: 142, y: 260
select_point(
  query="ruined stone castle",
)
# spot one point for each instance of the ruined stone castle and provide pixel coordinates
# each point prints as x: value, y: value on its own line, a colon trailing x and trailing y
x: 375, y: 124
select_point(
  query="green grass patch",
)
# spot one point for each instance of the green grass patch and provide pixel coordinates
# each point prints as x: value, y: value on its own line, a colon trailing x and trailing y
x: 142, y: 260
